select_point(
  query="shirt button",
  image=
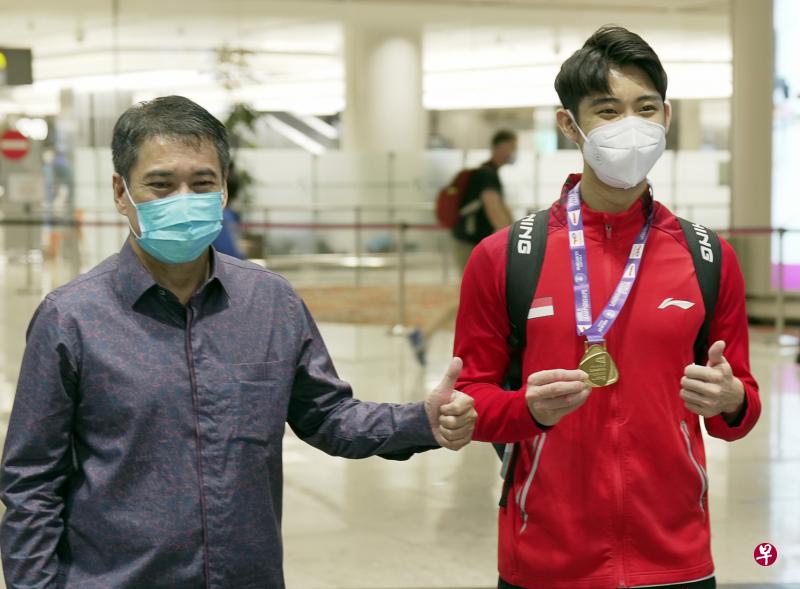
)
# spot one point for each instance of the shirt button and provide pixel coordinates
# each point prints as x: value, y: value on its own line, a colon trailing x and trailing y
x: 162, y: 292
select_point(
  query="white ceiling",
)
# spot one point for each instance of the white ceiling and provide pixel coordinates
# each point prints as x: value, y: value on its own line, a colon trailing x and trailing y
x: 293, y: 48
x: 693, y: 6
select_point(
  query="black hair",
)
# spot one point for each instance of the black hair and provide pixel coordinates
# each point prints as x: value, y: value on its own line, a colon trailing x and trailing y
x: 174, y: 117
x: 503, y: 136
x: 586, y: 71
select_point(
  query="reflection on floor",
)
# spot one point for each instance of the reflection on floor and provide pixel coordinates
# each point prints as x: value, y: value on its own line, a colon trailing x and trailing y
x: 431, y: 522
x: 719, y: 586
x: 759, y: 586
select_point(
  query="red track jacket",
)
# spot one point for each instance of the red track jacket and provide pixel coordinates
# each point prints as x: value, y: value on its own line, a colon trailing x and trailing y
x: 614, y: 495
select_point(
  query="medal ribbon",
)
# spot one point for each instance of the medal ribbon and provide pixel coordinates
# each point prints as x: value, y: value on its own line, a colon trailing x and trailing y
x: 596, y: 332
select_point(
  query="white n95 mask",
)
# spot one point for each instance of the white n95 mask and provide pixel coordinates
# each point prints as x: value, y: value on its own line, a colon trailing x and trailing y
x: 622, y: 153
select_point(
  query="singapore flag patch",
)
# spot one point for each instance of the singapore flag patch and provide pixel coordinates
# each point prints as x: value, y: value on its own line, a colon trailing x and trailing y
x: 542, y: 307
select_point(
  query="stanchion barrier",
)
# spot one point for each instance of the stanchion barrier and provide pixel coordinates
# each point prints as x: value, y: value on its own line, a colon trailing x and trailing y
x: 401, y: 230
x: 780, y: 312
x: 446, y: 247
x: 29, y: 249
x: 246, y: 225
x: 401, y: 327
x: 359, y: 244
x: 780, y: 292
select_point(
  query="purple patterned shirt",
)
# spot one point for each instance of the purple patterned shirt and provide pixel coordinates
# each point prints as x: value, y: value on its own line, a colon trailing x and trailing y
x: 144, y: 448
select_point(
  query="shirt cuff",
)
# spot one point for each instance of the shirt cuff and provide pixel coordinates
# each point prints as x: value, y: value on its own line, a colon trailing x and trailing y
x: 413, y: 428
x: 413, y: 431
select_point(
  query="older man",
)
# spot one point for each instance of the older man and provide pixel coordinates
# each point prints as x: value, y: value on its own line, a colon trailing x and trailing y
x: 144, y: 449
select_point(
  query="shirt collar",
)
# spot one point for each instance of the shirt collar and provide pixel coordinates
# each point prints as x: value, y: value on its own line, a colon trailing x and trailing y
x: 133, y: 280
x: 220, y: 272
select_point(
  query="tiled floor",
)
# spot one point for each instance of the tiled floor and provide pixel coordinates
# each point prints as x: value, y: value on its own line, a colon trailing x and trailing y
x: 430, y: 522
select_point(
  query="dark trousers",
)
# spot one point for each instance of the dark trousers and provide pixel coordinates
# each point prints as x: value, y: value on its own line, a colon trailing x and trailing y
x: 707, y: 584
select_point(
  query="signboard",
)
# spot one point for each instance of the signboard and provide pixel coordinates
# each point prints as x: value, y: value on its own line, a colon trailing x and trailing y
x: 15, y: 67
x: 14, y: 145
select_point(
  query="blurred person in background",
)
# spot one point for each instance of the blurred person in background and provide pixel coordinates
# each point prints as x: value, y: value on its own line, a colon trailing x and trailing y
x: 144, y: 446
x: 483, y: 211
x: 227, y: 242
x: 606, y: 486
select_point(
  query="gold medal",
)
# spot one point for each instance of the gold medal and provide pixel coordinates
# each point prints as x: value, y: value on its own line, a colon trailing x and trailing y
x: 599, y: 365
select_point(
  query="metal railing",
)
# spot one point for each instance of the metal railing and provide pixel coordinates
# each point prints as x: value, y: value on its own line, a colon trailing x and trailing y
x: 360, y: 261
x: 780, y: 291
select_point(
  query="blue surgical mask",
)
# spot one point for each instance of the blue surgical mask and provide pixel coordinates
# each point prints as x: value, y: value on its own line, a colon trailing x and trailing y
x: 178, y: 229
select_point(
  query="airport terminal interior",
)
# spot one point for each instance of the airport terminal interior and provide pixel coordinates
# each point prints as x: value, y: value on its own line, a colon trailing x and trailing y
x: 347, y: 118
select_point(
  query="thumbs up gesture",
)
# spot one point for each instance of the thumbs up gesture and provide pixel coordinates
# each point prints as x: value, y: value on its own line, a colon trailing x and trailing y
x: 451, y: 413
x: 712, y: 389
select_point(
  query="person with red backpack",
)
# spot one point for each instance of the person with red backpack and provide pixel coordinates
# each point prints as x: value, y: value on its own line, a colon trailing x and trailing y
x: 472, y: 207
x: 598, y: 337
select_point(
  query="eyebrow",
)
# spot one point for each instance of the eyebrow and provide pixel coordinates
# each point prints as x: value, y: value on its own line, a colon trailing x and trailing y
x: 605, y: 99
x: 168, y: 174
x: 157, y: 174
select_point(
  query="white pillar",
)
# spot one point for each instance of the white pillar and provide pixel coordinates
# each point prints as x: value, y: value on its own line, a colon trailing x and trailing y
x: 384, y: 109
x: 690, y: 127
x: 751, y: 135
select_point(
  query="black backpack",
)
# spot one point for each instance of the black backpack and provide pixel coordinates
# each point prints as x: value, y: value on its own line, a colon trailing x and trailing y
x: 527, y: 241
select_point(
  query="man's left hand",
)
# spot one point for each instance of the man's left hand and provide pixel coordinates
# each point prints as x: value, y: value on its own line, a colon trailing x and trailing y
x: 712, y: 390
x: 451, y: 413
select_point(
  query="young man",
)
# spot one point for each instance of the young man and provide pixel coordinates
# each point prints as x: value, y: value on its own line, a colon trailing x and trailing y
x: 485, y: 212
x: 609, y: 487
x: 144, y: 448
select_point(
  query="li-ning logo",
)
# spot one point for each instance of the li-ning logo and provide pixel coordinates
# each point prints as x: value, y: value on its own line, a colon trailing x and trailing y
x: 524, y: 245
x: 705, y: 243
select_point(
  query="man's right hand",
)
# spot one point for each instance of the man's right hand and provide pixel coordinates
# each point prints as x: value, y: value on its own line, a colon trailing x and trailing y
x: 552, y: 394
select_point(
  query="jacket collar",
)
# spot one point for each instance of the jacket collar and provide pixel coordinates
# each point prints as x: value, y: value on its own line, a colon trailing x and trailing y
x: 619, y: 228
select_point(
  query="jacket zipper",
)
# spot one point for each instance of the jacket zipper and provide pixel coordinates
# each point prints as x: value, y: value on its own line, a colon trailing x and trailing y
x: 700, y: 470
x: 198, y: 441
x: 615, y: 431
x: 538, y: 444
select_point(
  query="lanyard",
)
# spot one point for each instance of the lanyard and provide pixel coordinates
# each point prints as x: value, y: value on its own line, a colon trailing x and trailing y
x: 596, y: 332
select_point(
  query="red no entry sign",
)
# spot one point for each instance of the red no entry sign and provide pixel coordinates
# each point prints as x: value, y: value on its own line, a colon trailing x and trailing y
x: 14, y: 145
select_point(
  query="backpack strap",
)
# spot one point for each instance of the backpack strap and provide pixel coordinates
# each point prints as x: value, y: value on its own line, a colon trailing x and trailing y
x: 706, y: 251
x: 527, y: 241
